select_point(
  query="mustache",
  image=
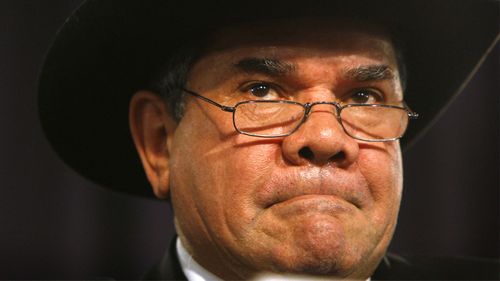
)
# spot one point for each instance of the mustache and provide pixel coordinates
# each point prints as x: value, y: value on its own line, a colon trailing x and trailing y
x: 342, y: 184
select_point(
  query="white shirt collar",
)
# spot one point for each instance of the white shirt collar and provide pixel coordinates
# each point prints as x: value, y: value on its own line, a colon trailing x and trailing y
x: 195, y: 272
x: 192, y: 270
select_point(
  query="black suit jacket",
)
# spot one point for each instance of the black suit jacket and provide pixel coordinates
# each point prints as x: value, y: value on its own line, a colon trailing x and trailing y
x: 392, y: 267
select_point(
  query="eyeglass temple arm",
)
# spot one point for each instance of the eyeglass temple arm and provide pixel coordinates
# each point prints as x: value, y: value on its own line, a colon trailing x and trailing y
x: 412, y: 114
x: 223, y: 107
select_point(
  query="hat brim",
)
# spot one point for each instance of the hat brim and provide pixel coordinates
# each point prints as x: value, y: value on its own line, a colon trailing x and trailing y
x: 107, y: 50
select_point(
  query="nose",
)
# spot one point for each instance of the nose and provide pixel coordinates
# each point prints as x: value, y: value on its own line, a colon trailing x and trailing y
x: 321, y: 140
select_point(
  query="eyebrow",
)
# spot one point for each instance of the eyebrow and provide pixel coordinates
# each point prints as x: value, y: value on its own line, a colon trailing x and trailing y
x: 267, y: 66
x: 369, y: 73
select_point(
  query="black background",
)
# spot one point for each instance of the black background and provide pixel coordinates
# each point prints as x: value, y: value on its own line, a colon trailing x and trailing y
x: 55, y: 224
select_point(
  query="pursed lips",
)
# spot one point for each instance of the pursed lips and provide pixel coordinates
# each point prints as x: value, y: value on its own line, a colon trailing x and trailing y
x: 305, y: 184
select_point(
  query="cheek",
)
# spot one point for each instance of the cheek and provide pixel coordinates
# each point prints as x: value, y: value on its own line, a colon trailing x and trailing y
x: 246, y: 169
x: 216, y: 174
x: 382, y: 169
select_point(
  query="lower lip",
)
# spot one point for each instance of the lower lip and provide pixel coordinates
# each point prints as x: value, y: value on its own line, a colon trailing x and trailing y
x: 305, y: 204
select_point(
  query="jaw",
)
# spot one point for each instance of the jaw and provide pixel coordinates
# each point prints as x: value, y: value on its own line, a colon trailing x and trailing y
x: 320, y: 236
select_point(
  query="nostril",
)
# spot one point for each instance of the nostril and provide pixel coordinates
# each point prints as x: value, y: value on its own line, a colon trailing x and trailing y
x: 306, y: 153
x: 339, y: 156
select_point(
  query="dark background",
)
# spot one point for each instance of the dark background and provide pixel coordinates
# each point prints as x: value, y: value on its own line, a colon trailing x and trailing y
x: 55, y: 224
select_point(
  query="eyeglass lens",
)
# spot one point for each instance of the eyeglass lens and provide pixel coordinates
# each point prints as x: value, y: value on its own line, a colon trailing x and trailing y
x: 272, y: 119
x: 268, y: 118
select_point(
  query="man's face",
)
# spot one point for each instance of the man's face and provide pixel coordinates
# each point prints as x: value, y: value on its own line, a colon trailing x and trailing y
x: 314, y: 202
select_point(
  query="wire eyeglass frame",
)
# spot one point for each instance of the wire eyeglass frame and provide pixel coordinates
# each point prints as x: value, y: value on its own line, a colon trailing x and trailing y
x: 307, y: 110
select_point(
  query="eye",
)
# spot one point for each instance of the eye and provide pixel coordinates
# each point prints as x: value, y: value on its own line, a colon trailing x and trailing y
x: 260, y: 90
x: 365, y: 96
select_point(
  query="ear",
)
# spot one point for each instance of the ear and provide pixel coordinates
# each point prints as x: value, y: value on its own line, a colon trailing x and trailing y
x: 153, y: 127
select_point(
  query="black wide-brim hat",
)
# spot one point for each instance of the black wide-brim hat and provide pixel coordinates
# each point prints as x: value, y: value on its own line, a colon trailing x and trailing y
x: 109, y: 49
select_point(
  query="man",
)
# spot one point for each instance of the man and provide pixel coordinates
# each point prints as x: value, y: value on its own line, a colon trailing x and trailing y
x: 276, y: 137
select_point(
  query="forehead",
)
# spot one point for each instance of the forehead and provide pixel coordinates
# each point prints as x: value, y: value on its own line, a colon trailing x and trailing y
x: 316, y: 48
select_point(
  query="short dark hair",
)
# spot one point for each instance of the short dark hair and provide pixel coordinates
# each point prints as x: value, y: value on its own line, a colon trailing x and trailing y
x: 172, y: 78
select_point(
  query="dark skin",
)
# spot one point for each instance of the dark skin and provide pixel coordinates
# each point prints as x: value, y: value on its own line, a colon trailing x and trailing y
x: 245, y: 205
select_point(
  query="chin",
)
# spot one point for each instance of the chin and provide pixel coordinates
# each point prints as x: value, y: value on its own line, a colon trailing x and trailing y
x: 339, y: 266
x: 323, y: 248
x: 317, y: 266
x: 316, y: 254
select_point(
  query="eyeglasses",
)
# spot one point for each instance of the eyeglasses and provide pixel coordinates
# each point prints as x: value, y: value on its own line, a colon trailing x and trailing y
x: 281, y: 118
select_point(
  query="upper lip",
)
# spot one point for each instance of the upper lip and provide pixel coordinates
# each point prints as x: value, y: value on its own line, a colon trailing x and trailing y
x: 285, y: 187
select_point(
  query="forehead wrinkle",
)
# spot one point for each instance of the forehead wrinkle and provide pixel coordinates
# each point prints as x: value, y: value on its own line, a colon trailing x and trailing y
x: 266, y: 66
x: 369, y: 73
